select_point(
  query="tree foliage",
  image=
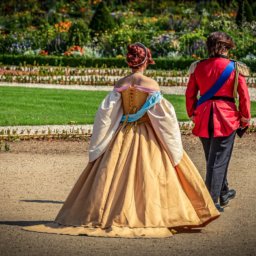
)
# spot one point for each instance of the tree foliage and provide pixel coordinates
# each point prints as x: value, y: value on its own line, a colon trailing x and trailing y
x: 244, y: 12
x: 79, y: 33
x: 102, y: 19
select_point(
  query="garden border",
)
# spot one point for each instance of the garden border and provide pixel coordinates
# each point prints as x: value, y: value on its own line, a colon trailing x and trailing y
x: 161, y: 63
x: 71, y: 132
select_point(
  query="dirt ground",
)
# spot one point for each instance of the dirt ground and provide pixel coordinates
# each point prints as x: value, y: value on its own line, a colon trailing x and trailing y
x: 36, y: 177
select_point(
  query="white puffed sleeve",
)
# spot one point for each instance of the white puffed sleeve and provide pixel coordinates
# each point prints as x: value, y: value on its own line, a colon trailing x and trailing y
x: 165, y: 124
x: 106, y: 122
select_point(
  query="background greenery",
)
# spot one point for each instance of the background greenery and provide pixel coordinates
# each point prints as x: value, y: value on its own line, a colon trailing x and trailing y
x: 166, y: 63
x: 173, y: 29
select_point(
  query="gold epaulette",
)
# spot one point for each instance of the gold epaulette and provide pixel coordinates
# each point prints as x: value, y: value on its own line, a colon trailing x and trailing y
x: 242, y: 68
x: 193, y: 67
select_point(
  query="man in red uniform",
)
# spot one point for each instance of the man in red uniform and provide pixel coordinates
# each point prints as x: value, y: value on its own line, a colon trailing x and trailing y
x: 215, y: 115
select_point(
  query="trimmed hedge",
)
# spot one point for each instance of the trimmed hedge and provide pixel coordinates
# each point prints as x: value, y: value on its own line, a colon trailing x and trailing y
x: 251, y: 64
x: 61, y: 61
x: 161, y: 63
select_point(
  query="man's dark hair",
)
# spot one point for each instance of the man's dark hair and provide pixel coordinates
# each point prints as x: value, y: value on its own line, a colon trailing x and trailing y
x: 219, y: 42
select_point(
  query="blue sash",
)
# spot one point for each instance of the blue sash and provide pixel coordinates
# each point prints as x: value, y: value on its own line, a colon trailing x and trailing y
x: 218, y: 84
x: 151, y: 101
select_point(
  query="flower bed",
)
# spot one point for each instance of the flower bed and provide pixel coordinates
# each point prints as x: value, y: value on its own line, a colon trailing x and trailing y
x: 90, y: 76
x: 85, y: 80
x: 42, y: 31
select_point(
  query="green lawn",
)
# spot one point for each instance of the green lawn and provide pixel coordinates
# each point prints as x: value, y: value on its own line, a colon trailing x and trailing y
x: 29, y: 106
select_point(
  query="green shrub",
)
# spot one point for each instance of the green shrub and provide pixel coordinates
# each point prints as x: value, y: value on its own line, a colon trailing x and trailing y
x: 244, y: 12
x: 161, y: 63
x: 115, y: 43
x: 164, y: 45
x: 102, y: 19
x: 79, y: 33
x: 61, y: 61
x: 251, y: 64
x: 58, y: 45
x: 254, y: 8
x: 193, y: 43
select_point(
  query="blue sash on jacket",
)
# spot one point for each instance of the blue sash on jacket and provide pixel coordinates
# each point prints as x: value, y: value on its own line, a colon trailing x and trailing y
x: 218, y: 84
x: 150, y: 102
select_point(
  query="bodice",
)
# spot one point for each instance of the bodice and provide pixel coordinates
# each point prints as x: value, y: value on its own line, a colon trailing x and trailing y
x: 133, y: 99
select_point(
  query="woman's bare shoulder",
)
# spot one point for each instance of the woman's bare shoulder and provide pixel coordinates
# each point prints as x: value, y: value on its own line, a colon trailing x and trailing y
x: 138, y: 79
x: 149, y: 82
x: 121, y: 82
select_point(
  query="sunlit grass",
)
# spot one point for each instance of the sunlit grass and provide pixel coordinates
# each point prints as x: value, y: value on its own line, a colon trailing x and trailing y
x: 32, y: 106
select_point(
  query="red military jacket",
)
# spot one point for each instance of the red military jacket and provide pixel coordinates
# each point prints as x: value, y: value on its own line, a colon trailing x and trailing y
x: 226, y: 117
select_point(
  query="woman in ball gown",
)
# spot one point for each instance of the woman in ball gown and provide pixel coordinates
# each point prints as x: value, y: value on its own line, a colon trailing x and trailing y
x: 139, y: 181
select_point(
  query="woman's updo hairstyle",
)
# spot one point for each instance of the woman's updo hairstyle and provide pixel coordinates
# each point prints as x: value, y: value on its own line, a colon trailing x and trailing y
x: 218, y: 43
x: 137, y: 55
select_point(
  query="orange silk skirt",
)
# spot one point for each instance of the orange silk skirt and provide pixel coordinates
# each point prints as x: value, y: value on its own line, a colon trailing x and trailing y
x: 133, y: 190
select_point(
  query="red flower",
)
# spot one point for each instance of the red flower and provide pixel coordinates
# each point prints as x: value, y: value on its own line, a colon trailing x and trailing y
x: 43, y: 52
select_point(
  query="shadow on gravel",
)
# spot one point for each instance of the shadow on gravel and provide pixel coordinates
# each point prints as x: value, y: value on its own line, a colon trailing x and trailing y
x: 23, y: 223
x: 42, y: 201
x: 181, y: 230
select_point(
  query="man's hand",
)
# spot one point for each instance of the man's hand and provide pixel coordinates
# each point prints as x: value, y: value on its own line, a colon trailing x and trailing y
x: 244, y: 122
x: 192, y: 118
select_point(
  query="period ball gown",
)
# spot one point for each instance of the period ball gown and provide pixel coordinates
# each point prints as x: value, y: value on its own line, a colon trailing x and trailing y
x: 139, y: 181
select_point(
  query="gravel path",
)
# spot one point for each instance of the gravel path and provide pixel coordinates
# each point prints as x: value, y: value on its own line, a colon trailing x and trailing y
x: 36, y: 177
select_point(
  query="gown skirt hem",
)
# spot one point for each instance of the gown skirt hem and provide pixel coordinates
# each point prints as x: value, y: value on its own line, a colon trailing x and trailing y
x: 134, y: 190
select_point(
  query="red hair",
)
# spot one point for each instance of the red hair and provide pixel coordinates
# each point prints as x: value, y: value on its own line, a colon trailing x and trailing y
x: 137, y: 55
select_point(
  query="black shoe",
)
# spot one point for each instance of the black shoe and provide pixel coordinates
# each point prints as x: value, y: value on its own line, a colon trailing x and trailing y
x: 224, y: 199
x: 219, y: 208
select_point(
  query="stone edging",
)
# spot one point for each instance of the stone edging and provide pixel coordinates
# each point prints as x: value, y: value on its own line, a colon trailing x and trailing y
x: 67, y: 131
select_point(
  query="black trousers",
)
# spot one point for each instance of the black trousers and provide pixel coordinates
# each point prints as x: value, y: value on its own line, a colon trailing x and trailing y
x: 218, y: 153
